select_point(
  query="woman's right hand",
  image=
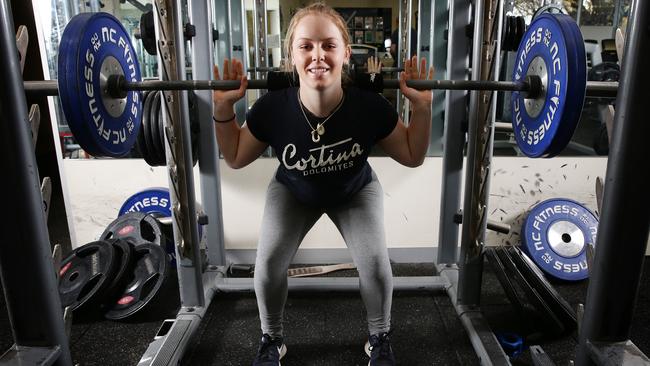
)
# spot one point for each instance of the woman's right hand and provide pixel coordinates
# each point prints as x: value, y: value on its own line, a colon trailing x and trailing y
x: 232, y: 70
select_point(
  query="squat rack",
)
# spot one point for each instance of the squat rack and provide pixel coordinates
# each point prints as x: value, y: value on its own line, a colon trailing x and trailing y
x: 26, y: 267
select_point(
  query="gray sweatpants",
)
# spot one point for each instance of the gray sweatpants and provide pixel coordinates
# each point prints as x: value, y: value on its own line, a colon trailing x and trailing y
x: 284, y: 225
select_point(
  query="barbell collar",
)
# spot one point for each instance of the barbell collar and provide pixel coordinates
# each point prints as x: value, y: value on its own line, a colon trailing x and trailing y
x: 41, y: 88
x: 604, y: 89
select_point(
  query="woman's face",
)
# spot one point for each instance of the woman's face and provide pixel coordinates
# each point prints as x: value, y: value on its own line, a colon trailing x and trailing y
x: 318, y: 52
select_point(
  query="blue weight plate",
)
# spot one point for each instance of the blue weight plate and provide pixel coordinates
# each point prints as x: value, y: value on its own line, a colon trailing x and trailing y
x: 65, y: 75
x: 152, y: 200
x: 548, y: 48
x: 555, y: 236
x: 577, y: 90
x: 103, y: 126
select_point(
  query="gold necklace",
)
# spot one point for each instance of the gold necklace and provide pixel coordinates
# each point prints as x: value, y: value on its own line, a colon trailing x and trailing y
x: 319, y: 131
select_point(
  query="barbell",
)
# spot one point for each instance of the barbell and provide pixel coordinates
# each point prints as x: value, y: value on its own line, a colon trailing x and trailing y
x: 117, y: 86
x: 100, y: 86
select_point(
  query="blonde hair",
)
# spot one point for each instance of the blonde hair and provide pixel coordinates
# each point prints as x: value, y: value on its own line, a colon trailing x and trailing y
x: 317, y: 8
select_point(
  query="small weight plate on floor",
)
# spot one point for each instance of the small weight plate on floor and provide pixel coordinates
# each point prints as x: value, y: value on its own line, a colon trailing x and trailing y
x: 536, y: 278
x: 96, y: 45
x: 137, y: 227
x: 155, y: 201
x: 556, y: 233
x: 124, y: 264
x: 85, y: 275
x: 551, y: 49
x: 149, y: 277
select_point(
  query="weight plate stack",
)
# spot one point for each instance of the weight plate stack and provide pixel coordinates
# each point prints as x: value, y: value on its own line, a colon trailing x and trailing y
x: 536, y: 278
x: 124, y: 265
x: 551, y: 324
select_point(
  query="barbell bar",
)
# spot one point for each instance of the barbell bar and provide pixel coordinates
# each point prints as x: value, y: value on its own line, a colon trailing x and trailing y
x: 117, y: 88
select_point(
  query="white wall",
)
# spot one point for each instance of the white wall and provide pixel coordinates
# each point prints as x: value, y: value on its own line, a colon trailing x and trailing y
x: 596, y: 32
x: 97, y: 189
x: 96, y: 192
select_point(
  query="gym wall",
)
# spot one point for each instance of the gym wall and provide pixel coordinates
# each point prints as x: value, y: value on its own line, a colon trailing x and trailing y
x: 97, y: 188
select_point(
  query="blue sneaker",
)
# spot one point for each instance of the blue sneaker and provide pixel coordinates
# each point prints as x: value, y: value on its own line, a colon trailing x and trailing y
x: 379, y: 349
x: 270, y: 352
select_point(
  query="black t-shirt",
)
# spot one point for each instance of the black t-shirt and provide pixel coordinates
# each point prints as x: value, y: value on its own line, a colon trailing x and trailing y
x: 332, y: 170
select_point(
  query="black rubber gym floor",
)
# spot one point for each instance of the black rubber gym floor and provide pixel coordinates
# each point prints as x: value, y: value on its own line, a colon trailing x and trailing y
x: 329, y: 328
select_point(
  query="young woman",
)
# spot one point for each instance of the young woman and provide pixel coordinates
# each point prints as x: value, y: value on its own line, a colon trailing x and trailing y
x: 322, y: 133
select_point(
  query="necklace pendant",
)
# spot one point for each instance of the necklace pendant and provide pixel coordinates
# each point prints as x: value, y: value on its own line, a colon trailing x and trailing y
x: 315, y: 136
x: 320, y: 129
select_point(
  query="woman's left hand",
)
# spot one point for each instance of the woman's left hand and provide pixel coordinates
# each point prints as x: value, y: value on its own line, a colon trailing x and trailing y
x: 418, y: 98
x: 373, y: 65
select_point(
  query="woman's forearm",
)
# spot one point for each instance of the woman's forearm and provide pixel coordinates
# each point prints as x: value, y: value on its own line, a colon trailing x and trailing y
x: 419, y: 130
x: 227, y: 131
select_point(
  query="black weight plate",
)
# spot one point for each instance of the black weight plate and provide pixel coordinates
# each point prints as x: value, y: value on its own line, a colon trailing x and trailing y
x: 124, y: 264
x: 161, y: 127
x: 504, y: 34
x: 509, y: 38
x: 148, y: 33
x: 521, y: 30
x: 552, y: 323
x: 147, y: 154
x: 513, y: 34
x: 155, y: 133
x: 536, y: 278
x: 85, y: 275
x: 150, y: 158
x: 148, y: 283
x: 140, y: 143
x: 137, y: 227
